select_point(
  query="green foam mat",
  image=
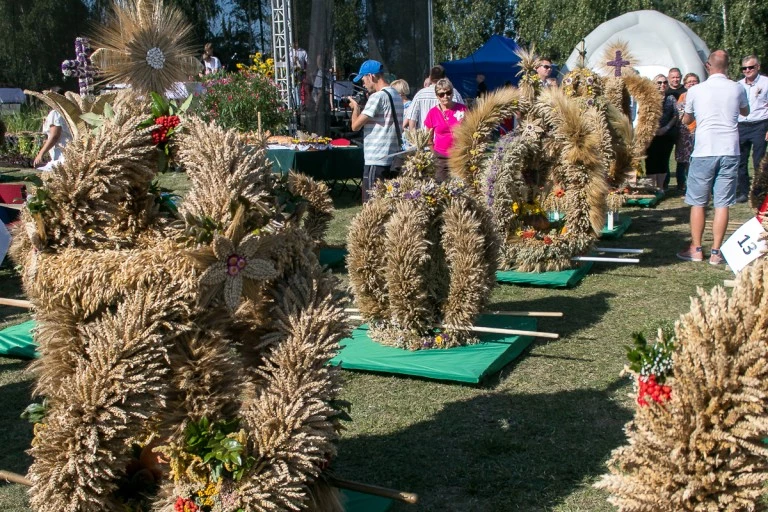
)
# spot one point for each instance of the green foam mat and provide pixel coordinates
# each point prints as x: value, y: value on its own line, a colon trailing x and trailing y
x: 562, y: 279
x: 16, y: 341
x: 469, y: 364
x: 361, y: 502
x: 618, y: 229
x: 647, y: 202
x: 332, y: 256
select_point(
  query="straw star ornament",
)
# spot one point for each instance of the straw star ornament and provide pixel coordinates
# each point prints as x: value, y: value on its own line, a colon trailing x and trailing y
x: 147, y: 45
x: 234, y: 264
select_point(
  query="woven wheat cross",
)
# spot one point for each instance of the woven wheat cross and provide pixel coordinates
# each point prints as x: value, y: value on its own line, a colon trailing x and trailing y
x: 81, y: 67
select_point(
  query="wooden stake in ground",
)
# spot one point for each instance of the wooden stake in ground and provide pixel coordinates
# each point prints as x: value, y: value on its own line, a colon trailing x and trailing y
x: 16, y: 303
x: 375, y: 490
x: 15, y: 478
x: 501, y: 313
x: 493, y: 330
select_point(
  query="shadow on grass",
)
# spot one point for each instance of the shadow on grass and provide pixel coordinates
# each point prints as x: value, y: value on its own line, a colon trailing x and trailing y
x: 16, y: 433
x: 494, y: 452
x: 578, y: 312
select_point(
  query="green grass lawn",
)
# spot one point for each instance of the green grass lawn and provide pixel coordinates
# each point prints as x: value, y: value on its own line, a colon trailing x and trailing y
x: 534, y: 437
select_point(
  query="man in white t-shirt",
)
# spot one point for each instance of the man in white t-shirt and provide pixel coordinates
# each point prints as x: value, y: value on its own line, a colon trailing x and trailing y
x: 380, y: 137
x: 753, y: 129
x: 715, y: 105
x: 425, y: 99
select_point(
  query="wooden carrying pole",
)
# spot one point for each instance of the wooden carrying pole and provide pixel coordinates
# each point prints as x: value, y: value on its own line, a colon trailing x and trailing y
x: 500, y: 313
x: 16, y: 303
x: 493, y: 330
x: 393, y: 494
x: 15, y: 478
x: 405, y: 497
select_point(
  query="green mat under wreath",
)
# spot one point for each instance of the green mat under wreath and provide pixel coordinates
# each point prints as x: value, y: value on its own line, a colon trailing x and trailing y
x: 333, y: 256
x: 562, y: 279
x: 618, y: 229
x: 16, y: 341
x: 469, y: 364
x: 647, y: 202
x: 361, y: 502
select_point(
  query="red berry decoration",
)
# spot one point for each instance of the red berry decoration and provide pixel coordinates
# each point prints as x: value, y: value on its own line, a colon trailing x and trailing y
x: 649, y: 387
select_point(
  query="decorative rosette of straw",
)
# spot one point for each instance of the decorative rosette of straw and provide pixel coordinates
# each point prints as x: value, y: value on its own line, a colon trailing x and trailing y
x: 704, y: 448
x: 148, y: 325
x: 421, y: 255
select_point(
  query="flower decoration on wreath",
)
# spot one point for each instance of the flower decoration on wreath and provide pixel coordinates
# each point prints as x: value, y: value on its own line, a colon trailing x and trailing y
x: 583, y: 83
x: 562, y: 145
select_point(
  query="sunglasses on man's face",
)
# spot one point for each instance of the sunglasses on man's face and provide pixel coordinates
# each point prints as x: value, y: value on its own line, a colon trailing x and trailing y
x: 443, y: 93
x: 748, y: 68
x: 662, y: 83
x: 546, y: 66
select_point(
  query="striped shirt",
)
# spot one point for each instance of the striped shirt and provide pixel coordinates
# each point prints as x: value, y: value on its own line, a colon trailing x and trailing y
x: 380, y: 136
x: 424, y: 101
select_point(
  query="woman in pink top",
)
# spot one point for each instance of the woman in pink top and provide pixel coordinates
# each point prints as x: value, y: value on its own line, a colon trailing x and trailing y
x: 442, y: 119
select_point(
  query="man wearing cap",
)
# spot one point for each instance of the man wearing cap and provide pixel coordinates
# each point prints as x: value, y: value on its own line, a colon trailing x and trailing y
x: 378, y: 121
x: 424, y: 100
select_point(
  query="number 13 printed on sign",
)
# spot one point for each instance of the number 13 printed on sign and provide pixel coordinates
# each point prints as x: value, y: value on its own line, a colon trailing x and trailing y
x: 745, y: 245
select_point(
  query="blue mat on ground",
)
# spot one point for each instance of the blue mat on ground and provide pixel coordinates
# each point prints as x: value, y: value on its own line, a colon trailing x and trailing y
x: 646, y: 202
x: 332, y: 256
x: 618, y: 229
x: 561, y: 279
x: 16, y: 341
x: 470, y: 363
x: 361, y: 502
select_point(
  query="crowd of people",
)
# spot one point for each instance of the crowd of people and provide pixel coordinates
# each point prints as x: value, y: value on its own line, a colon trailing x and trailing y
x: 713, y: 126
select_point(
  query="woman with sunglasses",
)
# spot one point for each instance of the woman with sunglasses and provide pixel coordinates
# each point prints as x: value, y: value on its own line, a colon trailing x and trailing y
x: 657, y: 161
x: 684, y: 143
x: 442, y: 119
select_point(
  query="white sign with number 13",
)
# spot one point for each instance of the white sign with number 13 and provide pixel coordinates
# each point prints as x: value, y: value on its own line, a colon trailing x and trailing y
x: 744, y: 246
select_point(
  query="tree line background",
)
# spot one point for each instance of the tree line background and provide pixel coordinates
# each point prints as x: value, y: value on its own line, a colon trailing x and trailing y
x: 36, y: 35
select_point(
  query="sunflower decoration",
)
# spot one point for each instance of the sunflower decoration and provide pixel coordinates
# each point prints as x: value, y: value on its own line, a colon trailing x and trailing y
x: 147, y: 45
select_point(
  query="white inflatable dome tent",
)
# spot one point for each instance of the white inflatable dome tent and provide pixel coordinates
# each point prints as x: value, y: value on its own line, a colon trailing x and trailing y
x: 656, y: 41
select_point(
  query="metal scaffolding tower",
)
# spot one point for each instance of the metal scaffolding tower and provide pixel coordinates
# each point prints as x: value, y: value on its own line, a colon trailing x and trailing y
x: 281, y: 49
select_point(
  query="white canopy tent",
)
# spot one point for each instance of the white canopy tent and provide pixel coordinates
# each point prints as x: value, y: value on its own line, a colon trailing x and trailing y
x: 656, y: 41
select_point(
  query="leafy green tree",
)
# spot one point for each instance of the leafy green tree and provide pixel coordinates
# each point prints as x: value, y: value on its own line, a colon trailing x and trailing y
x: 35, y: 37
x: 462, y: 26
x: 738, y: 26
x: 557, y: 26
x: 349, y: 37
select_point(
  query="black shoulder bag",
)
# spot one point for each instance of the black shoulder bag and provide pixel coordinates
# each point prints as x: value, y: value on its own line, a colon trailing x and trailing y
x: 399, y: 160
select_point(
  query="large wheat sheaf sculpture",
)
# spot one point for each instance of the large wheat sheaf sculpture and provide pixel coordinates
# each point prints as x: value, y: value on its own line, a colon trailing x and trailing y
x: 704, y: 449
x: 562, y: 147
x: 422, y: 261
x: 183, y: 357
x: 571, y: 146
